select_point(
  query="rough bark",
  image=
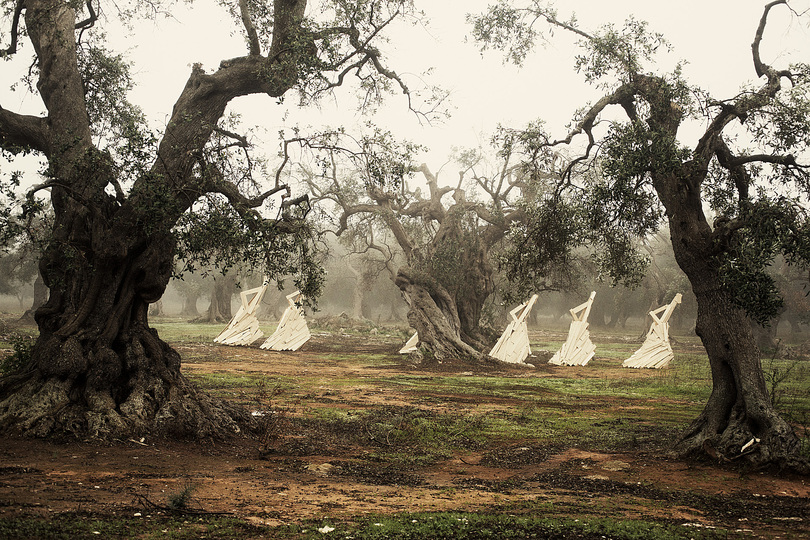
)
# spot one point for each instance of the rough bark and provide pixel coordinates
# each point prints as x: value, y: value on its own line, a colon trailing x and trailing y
x: 739, y: 409
x: 477, y: 286
x: 434, y: 315
x: 97, y: 369
x: 446, y: 298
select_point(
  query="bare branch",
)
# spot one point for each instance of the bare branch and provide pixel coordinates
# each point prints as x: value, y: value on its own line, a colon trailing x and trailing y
x: 91, y: 19
x: 761, y: 67
x: 15, y: 30
x: 250, y: 28
x: 214, y: 182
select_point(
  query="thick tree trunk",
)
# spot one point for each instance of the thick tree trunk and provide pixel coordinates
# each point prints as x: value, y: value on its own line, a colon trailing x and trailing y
x: 189, y: 308
x: 156, y: 309
x: 97, y: 368
x: 470, y: 299
x: 738, y: 410
x: 219, y: 310
x: 434, y: 315
x: 460, y: 264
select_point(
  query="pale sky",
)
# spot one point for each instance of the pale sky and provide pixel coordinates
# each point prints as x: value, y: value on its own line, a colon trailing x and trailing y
x: 713, y: 35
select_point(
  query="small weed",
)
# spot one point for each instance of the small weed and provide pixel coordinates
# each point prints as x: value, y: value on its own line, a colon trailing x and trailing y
x: 22, y: 345
x: 270, y: 421
x: 182, y: 499
x: 777, y: 373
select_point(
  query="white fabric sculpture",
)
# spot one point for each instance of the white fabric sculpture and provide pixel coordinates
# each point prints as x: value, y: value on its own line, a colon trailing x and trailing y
x: 577, y: 349
x: 410, y: 345
x: 292, y: 330
x: 513, y: 345
x: 244, y: 326
x: 656, y: 352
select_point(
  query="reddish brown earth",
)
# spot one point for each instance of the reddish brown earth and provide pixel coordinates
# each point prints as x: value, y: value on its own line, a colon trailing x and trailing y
x: 301, y: 477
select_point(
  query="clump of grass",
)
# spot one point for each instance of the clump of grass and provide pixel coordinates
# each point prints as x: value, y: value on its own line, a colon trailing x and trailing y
x: 182, y: 499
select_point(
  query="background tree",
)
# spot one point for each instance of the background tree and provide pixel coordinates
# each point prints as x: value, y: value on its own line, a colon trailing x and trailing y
x: 368, y: 259
x: 220, y: 295
x: 21, y: 244
x: 744, y: 165
x: 793, y: 287
x: 125, y: 199
x: 18, y: 270
x: 446, y: 234
x: 190, y: 287
x: 796, y: 291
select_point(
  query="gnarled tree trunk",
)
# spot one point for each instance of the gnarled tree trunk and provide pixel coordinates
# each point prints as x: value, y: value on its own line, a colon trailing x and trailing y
x: 446, y: 299
x: 435, y: 316
x: 97, y: 368
x: 739, y: 409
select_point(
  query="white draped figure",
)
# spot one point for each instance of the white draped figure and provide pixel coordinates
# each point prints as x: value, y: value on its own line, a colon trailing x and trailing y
x: 292, y: 330
x: 244, y: 326
x: 577, y: 349
x: 513, y: 345
x: 656, y: 352
x: 410, y: 345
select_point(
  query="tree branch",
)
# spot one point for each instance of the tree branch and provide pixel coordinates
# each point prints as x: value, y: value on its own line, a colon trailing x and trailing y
x: 214, y: 182
x: 761, y: 67
x: 15, y: 30
x: 621, y: 96
x: 250, y: 28
x: 91, y: 19
x: 742, y: 180
x: 19, y: 131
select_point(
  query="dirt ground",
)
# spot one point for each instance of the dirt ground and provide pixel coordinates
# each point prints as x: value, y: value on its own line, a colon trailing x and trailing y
x: 288, y: 484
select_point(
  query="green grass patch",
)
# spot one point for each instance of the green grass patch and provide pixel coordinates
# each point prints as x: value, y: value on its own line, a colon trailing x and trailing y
x: 463, y: 526
x: 72, y: 526
x: 405, y: 526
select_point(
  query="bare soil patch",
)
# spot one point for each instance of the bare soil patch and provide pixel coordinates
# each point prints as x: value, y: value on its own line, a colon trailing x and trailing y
x: 305, y: 470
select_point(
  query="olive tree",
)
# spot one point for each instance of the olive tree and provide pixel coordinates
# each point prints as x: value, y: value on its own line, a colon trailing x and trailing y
x: 449, y: 233
x: 733, y: 198
x: 125, y: 199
